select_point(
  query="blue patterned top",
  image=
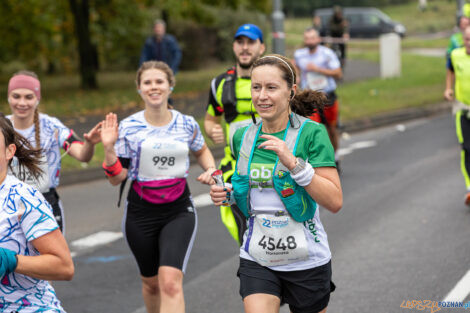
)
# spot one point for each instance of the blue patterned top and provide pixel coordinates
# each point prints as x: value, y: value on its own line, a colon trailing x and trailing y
x: 24, y: 216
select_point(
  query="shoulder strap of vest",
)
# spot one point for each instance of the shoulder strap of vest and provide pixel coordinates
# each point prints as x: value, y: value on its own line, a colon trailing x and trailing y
x: 297, y: 122
x: 296, y: 125
x: 229, y: 97
x: 248, y: 140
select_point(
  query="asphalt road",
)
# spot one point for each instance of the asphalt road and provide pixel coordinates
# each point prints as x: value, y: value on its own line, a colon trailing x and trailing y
x: 402, y: 233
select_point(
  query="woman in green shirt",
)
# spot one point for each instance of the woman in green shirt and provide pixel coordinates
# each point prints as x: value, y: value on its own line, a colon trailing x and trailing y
x: 285, y: 170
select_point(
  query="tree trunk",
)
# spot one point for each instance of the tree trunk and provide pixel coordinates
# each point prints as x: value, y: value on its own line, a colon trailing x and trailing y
x: 81, y: 12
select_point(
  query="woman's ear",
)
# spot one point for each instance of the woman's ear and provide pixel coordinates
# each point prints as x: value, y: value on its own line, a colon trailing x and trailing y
x: 10, y: 153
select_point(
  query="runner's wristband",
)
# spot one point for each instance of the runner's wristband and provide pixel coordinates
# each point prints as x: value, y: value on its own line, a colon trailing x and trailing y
x: 305, y: 176
x: 112, y: 170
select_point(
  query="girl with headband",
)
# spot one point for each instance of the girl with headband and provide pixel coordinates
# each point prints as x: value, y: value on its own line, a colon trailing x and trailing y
x: 32, y: 248
x: 48, y: 134
x: 151, y: 147
x: 285, y: 170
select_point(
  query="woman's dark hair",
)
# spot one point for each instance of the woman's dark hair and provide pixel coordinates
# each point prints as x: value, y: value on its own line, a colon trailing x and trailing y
x: 27, y: 156
x: 37, y: 129
x: 305, y: 102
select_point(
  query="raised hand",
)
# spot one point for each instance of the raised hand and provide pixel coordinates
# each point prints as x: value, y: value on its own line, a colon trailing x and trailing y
x: 109, y: 130
x: 94, y: 135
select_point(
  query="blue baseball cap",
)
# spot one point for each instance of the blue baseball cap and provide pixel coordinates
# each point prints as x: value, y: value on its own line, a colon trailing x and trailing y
x: 249, y: 30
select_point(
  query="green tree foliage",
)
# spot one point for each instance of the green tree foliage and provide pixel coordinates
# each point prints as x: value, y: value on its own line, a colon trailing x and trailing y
x: 34, y: 34
x: 40, y: 34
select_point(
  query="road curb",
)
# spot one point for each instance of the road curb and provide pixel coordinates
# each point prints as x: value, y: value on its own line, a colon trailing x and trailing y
x: 356, y: 125
x: 389, y: 118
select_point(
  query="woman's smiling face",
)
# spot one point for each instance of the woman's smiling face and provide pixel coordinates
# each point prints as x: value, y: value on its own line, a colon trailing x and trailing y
x: 22, y: 102
x: 154, y: 87
x: 269, y: 92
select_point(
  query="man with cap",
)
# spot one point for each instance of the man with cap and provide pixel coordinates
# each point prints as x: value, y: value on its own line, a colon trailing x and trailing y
x: 230, y: 98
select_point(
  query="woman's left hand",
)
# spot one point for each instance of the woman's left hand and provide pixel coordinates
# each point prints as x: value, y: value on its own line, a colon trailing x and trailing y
x: 94, y: 135
x: 279, y: 146
x: 206, y: 177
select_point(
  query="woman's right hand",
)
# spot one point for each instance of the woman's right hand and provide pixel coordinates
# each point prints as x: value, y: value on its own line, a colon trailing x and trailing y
x: 109, y: 130
x: 220, y: 195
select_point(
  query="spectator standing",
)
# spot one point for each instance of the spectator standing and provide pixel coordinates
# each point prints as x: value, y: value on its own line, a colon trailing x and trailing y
x: 339, y: 32
x: 161, y: 47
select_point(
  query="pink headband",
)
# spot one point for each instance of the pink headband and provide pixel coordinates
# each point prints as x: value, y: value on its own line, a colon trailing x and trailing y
x: 27, y: 82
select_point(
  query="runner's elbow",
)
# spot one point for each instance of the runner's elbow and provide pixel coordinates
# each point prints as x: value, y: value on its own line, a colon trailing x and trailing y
x: 335, y: 205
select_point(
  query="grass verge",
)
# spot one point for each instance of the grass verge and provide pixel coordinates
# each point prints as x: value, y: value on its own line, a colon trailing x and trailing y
x: 421, y: 83
x: 61, y: 95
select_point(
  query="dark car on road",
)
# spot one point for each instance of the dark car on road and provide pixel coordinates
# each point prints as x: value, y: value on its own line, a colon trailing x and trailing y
x: 363, y: 22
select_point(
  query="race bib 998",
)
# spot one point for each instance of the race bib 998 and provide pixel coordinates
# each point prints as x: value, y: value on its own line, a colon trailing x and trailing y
x: 160, y: 157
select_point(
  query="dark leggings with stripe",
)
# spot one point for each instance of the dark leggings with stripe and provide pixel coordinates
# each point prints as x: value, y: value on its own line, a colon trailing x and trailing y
x: 462, y: 123
x: 160, y: 234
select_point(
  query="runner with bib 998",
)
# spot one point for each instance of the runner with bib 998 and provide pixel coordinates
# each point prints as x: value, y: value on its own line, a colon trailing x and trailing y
x: 285, y: 169
x: 151, y: 148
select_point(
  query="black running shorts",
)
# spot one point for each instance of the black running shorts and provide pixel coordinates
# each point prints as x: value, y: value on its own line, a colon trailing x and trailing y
x: 306, y: 291
x: 160, y: 234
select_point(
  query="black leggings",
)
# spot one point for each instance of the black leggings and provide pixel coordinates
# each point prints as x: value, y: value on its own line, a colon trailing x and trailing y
x: 160, y: 235
x: 53, y: 198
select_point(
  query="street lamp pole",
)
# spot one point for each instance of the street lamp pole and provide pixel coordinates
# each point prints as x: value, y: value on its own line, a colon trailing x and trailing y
x: 460, y: 4
x: 278, y: 28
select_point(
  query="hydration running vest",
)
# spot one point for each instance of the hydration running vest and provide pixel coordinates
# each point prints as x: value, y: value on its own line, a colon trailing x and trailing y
x: 294, y: 197
x: 229, y: 98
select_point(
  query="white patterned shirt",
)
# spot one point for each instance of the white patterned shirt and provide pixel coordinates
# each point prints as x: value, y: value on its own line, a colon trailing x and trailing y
x: 53, y: 136
x: 19, y: 292
x: 182, y: 131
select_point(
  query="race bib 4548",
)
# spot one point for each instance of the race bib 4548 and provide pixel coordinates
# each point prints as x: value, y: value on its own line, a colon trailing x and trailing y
x: 276, y: 240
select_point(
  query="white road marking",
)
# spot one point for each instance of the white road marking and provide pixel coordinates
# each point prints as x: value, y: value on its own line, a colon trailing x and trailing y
x: 400, y: 127
x: 99, y: 238
x: 363, y: 144
x: 461, y: 290
x: 355, y: 146
x: 105, y: 237
x: 202, y: 200
x: 344, y: 151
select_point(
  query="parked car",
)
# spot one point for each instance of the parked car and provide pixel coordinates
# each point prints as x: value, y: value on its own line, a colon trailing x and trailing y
x: 363, y: 22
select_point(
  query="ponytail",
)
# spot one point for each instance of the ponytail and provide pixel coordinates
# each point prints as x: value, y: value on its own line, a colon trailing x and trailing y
x: 308, y: 102
x: 27, y: 156
x: 37, y: 129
